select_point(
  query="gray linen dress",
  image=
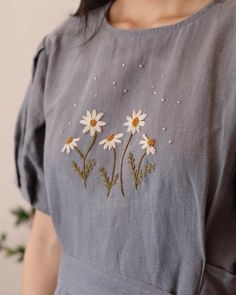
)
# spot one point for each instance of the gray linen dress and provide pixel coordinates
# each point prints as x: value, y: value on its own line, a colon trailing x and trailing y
x: 128, y: 142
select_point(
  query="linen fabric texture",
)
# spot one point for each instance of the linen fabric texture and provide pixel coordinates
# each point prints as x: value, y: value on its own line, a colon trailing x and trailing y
x: 128, y: 142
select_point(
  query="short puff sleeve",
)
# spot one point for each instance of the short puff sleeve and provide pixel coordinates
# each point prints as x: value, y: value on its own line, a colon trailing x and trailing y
x: 30, y: 134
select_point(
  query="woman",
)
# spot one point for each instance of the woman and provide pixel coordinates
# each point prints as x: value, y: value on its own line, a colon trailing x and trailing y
x: 125, y: 144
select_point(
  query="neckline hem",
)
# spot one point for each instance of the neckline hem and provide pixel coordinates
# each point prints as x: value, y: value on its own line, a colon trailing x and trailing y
x: 110, y: 28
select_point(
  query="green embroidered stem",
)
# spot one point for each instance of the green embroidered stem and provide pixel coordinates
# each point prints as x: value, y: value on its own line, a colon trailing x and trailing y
x: 85, y: 175
x: 78, y: 169
x: 91, y: 145
x: 138, y: 172
x: 84, y: 160
x: 87, y: 166
x: 133, y: 171
x: 109, y: 183
x: 79, y: 152
x: 113, y: 171
x: 122, y: 163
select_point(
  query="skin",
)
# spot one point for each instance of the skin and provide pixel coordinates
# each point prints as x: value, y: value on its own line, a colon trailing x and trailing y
x: 40, y: 266
x: 41, y: 260
x: 141, y: 14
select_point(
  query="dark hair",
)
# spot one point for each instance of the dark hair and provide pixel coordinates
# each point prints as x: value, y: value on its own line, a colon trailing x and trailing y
x: 83, y: 11
x: 88, y: 5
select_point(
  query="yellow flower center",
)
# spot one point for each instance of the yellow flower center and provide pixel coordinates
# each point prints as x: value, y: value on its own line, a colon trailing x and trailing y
x: 93, y: 122
x: 135, y: 122
x: 151, y: 141
x: 69, y: 140
x: 110, y: 137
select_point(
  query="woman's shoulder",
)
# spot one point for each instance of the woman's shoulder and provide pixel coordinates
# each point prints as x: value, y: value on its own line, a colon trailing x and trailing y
x: 226, y: 23
x: 227, y: 11
x: 70, y: 31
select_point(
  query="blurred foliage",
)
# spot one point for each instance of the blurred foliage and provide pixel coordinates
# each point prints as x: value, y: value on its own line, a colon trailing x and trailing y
x: 22, y: 217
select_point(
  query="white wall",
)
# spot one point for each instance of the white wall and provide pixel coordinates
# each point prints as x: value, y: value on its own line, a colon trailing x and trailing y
x: 22, y: 25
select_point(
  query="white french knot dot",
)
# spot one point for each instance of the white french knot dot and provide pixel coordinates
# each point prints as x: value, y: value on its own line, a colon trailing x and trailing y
x: 170, y: 141
x: 125, y: 90
x: 69, y: 123
x: 179, y: 102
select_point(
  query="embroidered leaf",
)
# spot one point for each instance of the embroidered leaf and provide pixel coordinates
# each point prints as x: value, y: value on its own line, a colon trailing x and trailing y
x: 133, y: 170
x: 78, y: 170
x: 148, y: 169
x: 115, y: 179
x: 105, y: 177
x: 89, y: 166
x: 139, y: 177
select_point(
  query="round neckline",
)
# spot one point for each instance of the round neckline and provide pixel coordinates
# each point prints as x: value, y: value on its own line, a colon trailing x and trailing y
x: 110, y: 28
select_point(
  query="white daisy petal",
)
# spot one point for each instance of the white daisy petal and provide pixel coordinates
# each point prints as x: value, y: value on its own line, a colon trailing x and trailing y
x: 143, y: 116
x: 106, y: 145
x: 139, y: 113
x: 102, y: 141
x: 99, y: 116
x: 86, y: 129
x: 117, y: 140
x: 142, y: 141
x: 88, y: 114
x: 84, y: 122
x: 94, y: 114
x: 63, y: 149
x: 145, y: 137
x: 98, y: 129
x: 67, y: 149
x: 92, y: 131
x: 119, y: 135
x: 152, y: 150
x: 101, y: 123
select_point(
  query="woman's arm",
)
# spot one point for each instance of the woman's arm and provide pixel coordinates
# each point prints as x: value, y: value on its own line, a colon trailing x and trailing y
x: 41, y: 260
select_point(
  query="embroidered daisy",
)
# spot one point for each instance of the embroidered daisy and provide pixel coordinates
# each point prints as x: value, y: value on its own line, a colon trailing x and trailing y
x: 148, y: 144
x: 135, y: 122
x: 92, y: 122
x: 111, y: 140
x: 70, y: 144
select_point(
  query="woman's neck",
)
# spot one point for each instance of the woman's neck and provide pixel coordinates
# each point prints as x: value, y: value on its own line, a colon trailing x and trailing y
x: 128, y: 14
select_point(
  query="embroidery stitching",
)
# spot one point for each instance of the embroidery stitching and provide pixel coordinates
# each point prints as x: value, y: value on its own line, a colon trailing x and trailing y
x: 110, y: 143
x: 134, y: 123
x: 93, y: 125
x: 138, y: 174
